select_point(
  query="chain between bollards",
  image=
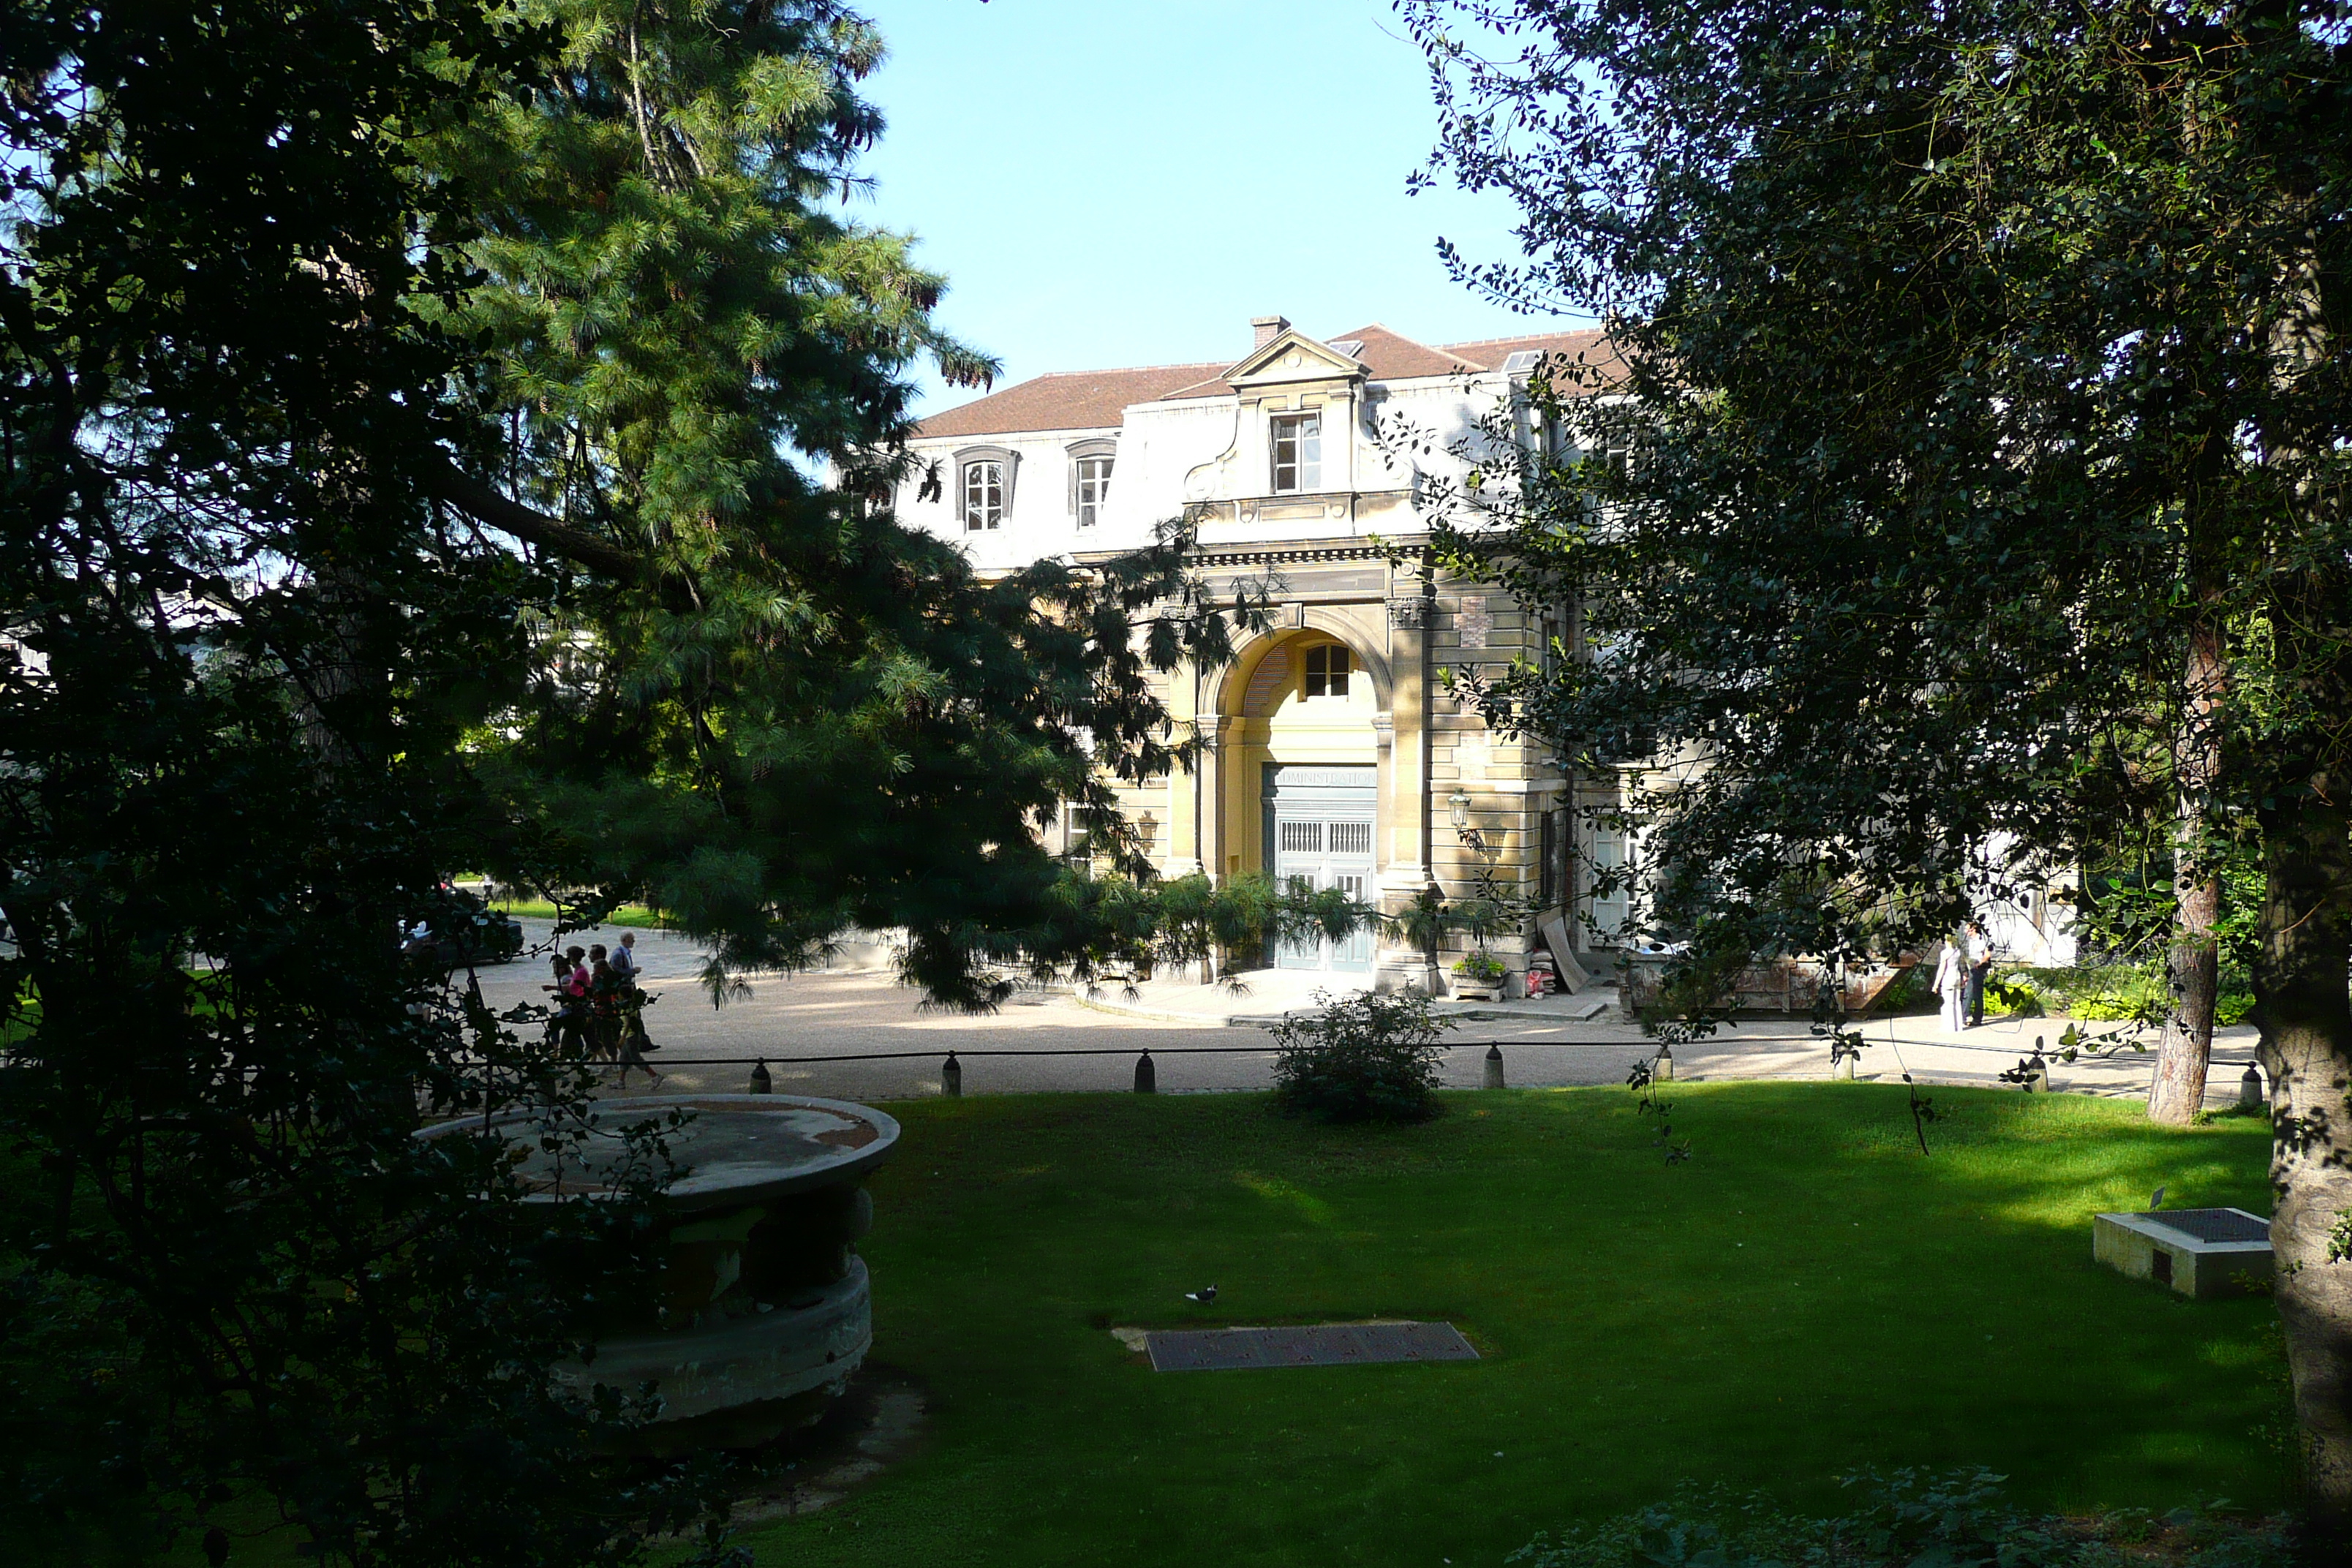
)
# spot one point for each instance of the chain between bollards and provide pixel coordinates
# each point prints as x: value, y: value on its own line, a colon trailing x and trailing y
x: 1146, y: 1071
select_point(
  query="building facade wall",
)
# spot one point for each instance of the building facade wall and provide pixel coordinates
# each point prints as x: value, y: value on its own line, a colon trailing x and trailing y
x: 1344, y: 561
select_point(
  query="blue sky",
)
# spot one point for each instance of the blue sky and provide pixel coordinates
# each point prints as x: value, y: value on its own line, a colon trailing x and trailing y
x: 1128, y: 182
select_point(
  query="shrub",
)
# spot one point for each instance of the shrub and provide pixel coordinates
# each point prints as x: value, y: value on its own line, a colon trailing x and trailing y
x: 2015, y: 995
x: 1361, y: 1058
x: 2099, y: 993
x: 1906, y: 1519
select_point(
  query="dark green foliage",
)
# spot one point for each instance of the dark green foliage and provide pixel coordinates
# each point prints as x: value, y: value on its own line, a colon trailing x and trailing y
x: 81, y: 1425
x: 771, y: 710
x: 237, y: 662
x: 1114, y: 923
x: 1363, y: 1058
x: 1910, y: 1519
x: 1973, y: 489
x: 443, y: 436
x: 1957, y: 397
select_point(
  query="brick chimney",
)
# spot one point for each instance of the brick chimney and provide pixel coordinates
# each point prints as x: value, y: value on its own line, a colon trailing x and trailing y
x: 1268, y: 328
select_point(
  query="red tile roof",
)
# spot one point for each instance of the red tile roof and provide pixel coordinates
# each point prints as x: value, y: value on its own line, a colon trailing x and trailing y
x: 1390, y: 356
x: 1097, y: 399
x: 1589, y: 346
x: 1069, y: 400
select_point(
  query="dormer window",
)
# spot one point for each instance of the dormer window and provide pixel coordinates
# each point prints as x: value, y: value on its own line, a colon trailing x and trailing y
x: 1298, y: 453
x: 983, y: 496
x: 984, y: 486
x: 1328, y: 668
x: 1093, y: 489
x: 1090, y: 462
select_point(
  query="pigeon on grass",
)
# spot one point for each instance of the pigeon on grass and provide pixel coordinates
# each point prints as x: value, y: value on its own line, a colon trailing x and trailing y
x: 1202, y: 1297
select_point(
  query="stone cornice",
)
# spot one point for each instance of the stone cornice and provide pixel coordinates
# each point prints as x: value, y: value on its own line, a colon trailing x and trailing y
x: 1305, y: 550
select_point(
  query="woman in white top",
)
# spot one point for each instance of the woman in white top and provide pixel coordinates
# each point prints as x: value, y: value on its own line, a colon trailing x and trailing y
x: 1952, y: 984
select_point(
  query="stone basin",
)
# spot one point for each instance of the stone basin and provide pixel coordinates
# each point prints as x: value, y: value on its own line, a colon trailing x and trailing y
x: 765, y: 1310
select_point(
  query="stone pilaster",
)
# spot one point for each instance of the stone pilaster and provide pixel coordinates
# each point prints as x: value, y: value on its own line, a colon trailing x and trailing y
x: 1404, y: 733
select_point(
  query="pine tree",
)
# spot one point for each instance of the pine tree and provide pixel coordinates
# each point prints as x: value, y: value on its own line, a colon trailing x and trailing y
x: 442, y: 436
x: 803, y: 715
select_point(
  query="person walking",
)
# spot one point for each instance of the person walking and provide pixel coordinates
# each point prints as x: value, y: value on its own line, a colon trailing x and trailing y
x: 602, y: 1015
x: 631, y: 1041
x: 1951, y: 985
x: 623, y: 958
x: 570, y: 1001
x: 1980, y: 971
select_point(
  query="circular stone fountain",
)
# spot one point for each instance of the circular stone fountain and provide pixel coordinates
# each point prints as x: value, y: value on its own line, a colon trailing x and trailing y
x: 765, y: 1310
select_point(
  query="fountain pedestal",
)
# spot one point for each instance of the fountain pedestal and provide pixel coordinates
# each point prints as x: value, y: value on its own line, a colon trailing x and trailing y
x: 766, y: 1310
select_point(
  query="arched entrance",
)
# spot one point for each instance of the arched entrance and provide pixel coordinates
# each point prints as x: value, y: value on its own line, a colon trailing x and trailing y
x: 1302, y: 786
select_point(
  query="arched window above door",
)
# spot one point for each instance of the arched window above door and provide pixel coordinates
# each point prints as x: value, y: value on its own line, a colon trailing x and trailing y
x: 1328, y: 668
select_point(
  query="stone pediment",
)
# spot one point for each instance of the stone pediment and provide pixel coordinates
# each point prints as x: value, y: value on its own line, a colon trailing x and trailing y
x: 1293, y: 356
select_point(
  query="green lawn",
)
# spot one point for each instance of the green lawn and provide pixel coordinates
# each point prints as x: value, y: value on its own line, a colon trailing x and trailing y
x: 636, y: 915
x: 1807, y: 1295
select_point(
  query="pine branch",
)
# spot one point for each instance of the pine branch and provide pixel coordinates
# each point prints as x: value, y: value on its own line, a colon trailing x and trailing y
x: 483, y: 503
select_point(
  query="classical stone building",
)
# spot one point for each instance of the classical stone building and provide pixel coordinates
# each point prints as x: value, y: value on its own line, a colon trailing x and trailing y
x: 1334, y: 754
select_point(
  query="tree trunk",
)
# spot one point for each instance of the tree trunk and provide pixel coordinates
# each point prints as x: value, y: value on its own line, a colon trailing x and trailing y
x: 2192, y: 969
x: 2177, y: 1091
x: 2300, y: 983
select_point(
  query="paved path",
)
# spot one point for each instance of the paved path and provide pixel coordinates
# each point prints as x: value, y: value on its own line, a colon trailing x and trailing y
x: 837, y: 1015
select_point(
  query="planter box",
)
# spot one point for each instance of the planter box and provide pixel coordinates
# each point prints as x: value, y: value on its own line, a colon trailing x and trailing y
x: 1782, y: 986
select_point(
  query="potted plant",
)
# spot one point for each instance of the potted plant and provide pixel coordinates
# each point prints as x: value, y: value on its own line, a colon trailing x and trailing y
x: 1478, y: 973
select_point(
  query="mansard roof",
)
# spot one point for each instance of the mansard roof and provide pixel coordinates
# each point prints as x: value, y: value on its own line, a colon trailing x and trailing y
x: 1067, y: 400
x: 1097, y: 399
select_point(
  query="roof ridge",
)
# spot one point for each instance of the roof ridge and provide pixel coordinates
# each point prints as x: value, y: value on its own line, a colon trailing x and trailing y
x: 1515, y: 337
x: 1122, y: 369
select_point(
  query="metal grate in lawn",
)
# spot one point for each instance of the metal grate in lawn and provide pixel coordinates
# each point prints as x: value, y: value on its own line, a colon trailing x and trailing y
x: 2214, y: 1224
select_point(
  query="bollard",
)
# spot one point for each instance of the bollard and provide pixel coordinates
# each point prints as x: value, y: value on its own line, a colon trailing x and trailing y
x: 761, y: 1082
x: 1662, y: 1069
x: 2037, y: 1081
x: 1841, y: 1063
x: 951, y: 1077
x: 2250, y: 1088
x: 1147, y: 1077
x: 1493, y: 1066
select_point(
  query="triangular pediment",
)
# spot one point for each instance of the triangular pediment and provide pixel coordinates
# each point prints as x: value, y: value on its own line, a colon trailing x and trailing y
x: 1292, y: 356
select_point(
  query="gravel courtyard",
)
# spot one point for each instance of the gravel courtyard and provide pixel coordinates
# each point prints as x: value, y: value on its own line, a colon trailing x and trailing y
x: 836, y: 1016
